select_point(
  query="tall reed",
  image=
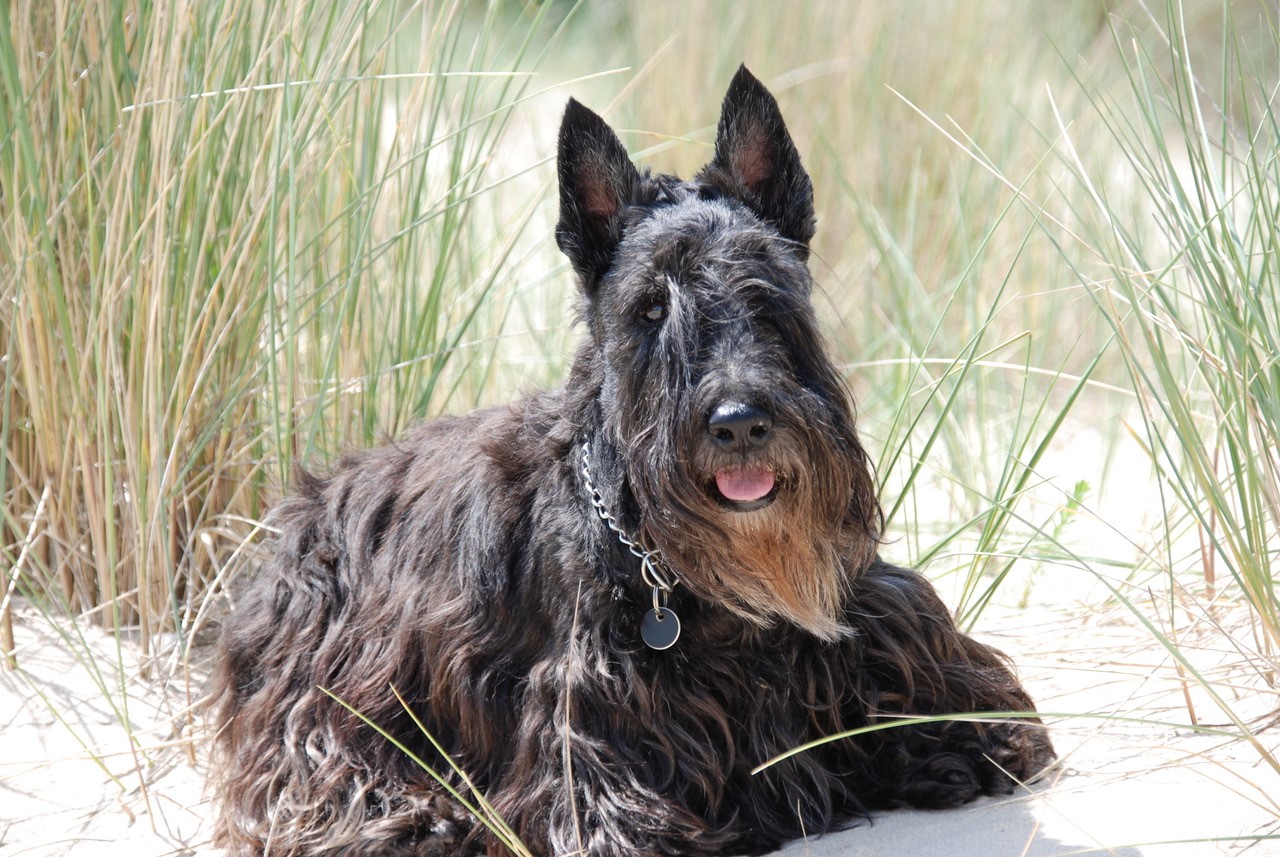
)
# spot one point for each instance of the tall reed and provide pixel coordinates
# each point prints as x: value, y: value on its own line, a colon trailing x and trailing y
x: 235, y: 234
x: 1187, y: 219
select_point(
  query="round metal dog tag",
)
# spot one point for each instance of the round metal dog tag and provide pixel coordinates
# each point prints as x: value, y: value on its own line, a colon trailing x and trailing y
x: 660, y: 628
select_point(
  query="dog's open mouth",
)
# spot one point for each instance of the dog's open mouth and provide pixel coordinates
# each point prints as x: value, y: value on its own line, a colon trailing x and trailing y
x: 745, y: 489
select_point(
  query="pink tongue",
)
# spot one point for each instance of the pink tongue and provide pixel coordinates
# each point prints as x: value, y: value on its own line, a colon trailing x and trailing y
x: 746, y: 484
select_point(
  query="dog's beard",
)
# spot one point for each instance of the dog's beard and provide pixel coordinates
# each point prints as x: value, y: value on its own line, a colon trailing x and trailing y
x: 792, y: 561
x: 778, y: 567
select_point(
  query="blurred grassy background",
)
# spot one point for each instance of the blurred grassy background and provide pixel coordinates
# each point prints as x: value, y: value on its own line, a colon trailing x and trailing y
x: 240, y: 236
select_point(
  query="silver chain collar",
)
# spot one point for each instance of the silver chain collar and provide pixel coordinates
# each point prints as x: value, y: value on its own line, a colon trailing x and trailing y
x: 652, y: 568
x: 660, y: 627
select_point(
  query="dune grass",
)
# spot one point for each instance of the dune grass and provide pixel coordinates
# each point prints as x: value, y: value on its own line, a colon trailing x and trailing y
x: 1193, y: 295
x: 240, y: 237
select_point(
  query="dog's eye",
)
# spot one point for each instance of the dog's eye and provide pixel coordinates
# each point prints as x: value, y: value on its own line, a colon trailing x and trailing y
x: 655, y: 312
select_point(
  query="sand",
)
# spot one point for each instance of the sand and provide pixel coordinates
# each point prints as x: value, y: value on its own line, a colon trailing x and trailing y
x: 1134, y: 780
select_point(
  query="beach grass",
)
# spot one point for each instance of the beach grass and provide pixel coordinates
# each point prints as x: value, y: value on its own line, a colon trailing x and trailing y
x: 241, y: 238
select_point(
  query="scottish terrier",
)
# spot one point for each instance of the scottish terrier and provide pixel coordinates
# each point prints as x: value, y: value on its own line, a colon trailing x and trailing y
x: 609, y: 602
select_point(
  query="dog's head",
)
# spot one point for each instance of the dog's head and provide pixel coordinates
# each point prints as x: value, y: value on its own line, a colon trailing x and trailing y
x: 734, y: 432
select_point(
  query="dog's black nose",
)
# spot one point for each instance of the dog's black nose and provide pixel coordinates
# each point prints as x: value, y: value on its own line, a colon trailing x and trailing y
x: 737, y: 426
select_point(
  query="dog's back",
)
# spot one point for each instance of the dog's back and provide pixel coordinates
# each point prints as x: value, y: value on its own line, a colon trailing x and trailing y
x: 368, y: 590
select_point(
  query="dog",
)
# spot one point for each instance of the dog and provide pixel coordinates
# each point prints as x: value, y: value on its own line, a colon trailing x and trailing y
x: 607, y: 603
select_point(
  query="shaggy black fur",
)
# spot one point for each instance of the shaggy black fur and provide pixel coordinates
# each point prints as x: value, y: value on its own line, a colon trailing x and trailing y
x: 466, y: 567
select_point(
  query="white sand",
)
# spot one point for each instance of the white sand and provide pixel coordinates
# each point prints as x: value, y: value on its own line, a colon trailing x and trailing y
x: 71, y: 780
x: 1124, y: 787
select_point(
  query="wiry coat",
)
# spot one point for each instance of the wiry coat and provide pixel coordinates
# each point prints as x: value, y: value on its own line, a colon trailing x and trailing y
x: 466, y: 567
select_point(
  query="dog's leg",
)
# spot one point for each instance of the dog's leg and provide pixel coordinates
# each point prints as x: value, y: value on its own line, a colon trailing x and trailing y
x: 599, y: 771
x: 912, y: 661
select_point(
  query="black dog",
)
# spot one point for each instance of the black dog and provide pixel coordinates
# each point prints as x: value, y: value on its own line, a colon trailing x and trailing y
x: 610, y: 601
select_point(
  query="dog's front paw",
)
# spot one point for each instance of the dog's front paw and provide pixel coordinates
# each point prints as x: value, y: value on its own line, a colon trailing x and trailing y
x: 1018, y: 751
x: 942, y: 780
x: 978, y: 759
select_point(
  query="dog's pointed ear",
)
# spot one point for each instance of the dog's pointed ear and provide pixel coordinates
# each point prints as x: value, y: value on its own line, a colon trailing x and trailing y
x: 757, y: 162
x: 597, y: 180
